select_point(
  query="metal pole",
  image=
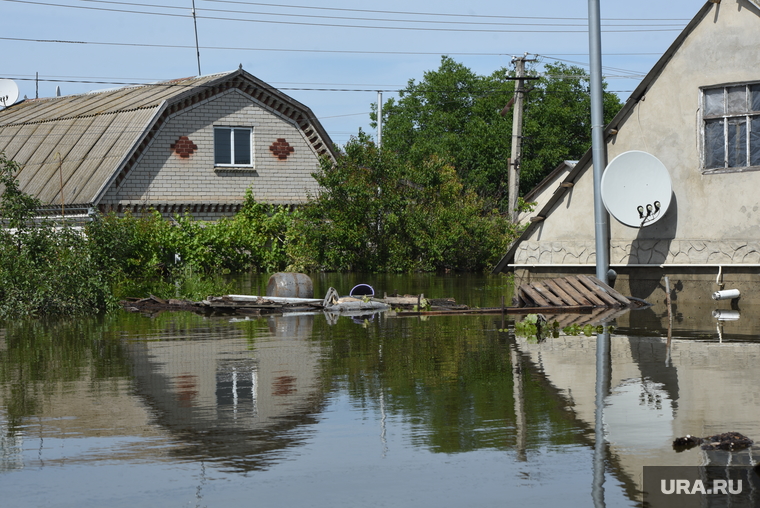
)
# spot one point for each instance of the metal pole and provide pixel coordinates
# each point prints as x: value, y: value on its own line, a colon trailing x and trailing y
x: 516, y: 154
x: 197, y: 48
x: 379, y: 119
x: 598, y: 147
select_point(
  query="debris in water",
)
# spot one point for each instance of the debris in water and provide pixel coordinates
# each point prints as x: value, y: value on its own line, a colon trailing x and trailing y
x: 730, y: 441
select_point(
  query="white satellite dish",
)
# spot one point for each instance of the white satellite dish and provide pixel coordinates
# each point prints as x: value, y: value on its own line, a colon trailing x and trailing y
x: 636, y: 188
x: 8, y: 93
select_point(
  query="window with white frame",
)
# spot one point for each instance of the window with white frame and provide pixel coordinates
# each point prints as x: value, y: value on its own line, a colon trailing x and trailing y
x: 233, y: 146
x: 731, y: 127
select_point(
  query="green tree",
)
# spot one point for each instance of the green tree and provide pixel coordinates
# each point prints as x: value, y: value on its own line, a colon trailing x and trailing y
x: 455, y: 114
x: 377, y: 212
x: 557, y: 121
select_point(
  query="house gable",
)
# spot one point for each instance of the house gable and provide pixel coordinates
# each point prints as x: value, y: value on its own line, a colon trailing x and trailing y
x: 713, y: 218
x: 81, y: 150
x: 168, y: 177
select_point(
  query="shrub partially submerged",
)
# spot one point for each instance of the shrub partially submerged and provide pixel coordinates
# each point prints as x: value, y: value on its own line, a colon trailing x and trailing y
x: 377, y: 212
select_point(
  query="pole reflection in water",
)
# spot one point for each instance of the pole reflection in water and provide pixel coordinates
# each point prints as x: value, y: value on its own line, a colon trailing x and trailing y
x: 520, y: 418
x: 602, y: 389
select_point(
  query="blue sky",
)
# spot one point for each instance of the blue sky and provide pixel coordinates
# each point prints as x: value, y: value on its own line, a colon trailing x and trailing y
x: 331, y: 55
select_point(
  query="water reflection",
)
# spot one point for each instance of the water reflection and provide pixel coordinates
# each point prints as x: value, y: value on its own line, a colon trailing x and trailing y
x: 342, y: 405
x: 707, y: 388
x: 231, y: 400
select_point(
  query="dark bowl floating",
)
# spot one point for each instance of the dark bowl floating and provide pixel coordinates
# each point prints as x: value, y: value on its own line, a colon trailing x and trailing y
x: 362, y: 290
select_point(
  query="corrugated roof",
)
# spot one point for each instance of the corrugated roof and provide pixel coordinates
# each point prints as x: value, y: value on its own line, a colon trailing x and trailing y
x: 100, y: 103
x: 80, y: 144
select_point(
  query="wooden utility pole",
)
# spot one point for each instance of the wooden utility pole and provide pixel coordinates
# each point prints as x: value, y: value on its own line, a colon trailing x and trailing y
x: 379, y: 119
x: 517, y: 121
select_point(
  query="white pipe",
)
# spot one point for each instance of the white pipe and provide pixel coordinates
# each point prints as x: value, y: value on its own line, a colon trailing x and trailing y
x: 726, y: 294
x: 726, y: 315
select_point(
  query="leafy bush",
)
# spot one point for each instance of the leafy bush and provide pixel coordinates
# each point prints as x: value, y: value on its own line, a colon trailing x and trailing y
x: 184, y: 257
x: 378, y: 212
x: 45, y: 268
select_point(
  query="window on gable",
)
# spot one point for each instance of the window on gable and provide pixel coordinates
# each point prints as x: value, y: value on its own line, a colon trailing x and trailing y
x: 232, y: 146
x: 731, y: 127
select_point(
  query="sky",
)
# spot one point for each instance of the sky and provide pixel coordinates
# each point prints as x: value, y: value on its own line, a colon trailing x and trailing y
x: 333, y: 55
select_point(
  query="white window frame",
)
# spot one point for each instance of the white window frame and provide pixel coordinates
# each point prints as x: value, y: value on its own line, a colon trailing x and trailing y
x: 232, y: 129
x: 748, y: 115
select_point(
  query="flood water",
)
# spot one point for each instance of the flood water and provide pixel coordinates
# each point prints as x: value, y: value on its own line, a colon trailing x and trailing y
x: 178, y: 409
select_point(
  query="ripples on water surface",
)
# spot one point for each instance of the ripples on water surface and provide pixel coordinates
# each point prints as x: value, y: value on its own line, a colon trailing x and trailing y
x: 182, y: 410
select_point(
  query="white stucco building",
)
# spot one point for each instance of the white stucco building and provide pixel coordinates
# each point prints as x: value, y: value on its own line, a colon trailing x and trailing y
x: 698, y: 112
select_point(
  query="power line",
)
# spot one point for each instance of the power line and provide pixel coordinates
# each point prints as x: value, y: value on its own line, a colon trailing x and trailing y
x: 230, y: 48
x: 301, y: 50
x: 684, y: 20
x: 562, y: 21
x: 581, y: 29
x: 223, y: 48
x: 306, y: 89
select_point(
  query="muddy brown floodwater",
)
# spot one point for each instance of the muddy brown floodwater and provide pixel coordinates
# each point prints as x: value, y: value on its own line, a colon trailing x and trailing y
x: 177, y: 409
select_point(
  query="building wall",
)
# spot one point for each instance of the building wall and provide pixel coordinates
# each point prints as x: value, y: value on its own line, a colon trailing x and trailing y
x: 162, y: 176
x: 712, y: 218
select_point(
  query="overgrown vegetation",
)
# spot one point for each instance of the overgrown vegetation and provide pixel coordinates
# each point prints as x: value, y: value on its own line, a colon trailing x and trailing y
x: 49, y: 268
x: 43, y: 270
x: 184, y: 257
x: 454, y: 114
x: 380, y: 212
x: 376, y: 212
x: 431, y: 200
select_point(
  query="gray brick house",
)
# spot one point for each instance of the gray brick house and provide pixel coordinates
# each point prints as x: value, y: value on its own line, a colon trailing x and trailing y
x: 190, y: 145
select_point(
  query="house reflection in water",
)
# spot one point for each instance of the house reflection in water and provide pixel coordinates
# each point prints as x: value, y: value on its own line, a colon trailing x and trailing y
x: 699, y: 387
x: 228, y: 401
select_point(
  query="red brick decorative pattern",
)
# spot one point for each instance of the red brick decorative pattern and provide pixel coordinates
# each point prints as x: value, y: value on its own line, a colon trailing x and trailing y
x: 281, y: 149
x: 184, y: 147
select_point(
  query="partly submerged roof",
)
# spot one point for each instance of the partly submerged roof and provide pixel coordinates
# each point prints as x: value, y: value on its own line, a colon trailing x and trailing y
x: 82, y: 143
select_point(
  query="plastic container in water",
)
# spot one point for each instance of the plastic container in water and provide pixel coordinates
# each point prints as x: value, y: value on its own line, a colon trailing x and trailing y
x: 290, y: 285
x: 362, y: 290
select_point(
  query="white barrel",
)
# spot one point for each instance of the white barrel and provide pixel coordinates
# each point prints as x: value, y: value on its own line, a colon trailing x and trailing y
x: 292, y: 285
x: 726, y: 294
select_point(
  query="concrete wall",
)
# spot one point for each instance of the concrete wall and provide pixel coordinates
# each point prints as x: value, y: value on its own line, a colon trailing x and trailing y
x: 162, y: 176
x: 712, y: 218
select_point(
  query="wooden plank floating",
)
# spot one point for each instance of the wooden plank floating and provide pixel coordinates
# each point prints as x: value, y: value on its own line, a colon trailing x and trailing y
x: 579, y: 309
x: 573, y: 291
